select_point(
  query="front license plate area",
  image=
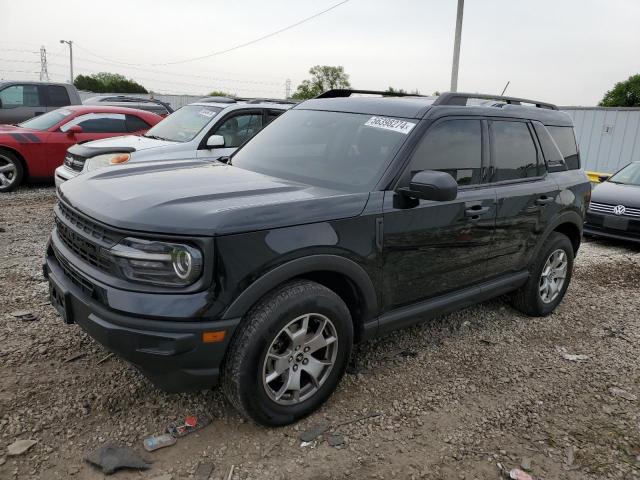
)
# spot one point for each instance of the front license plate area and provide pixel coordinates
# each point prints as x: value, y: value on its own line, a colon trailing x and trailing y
x: 60, y: 301
x: 616, y: 223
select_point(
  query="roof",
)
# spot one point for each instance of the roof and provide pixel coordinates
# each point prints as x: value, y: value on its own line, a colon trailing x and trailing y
x: 415, y: 107
x: 106, y: 109
x: 243, y: 104
x: 31, y: 82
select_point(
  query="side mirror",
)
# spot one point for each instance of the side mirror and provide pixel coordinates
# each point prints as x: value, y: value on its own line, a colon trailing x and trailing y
x: 74, y: 130
x: 215, y: 141
x: 432, y: 185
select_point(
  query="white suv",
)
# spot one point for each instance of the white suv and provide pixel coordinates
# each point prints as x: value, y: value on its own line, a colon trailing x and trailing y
x: 207, y: 130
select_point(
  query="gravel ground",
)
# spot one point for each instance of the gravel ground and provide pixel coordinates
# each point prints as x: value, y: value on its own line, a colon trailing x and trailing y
x: 454, y: 398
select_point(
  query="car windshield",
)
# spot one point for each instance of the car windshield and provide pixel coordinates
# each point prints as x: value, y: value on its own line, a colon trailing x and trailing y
x: 342, y: 151
x: 629, y: 175
x: 184, y: 124
x: 47, y: 120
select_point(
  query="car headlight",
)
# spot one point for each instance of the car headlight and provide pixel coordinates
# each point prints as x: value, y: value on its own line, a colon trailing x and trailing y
x: 106, y: 160
x: 155, y: 262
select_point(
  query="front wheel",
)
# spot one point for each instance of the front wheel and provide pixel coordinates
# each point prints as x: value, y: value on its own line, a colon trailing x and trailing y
x: 289, y: 354
x: 11, y: 171
x: 549, y: 278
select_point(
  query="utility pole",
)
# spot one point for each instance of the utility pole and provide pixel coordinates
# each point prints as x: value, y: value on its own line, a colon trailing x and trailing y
x: 70, y: 43
x: 287, y: 88
x: 456, y: 47
x: 44, y: 74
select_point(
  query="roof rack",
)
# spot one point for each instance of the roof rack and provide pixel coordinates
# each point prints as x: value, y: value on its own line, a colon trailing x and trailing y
x: 460, y: 99
x: 217, y: 99
x: 347, y: 92
x: 272, y: 100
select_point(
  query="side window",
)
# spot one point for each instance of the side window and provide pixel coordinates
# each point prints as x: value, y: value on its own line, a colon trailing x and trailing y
x: 566, y: 141
x: 58, y: 96
x: 240, y: 128
x: 99, y: 123
x: 453, y: 146
x: 550, y: 149
x: 136, y: 124
x: 514, y: 153
x: 20, y: 96
x: 272, y: 115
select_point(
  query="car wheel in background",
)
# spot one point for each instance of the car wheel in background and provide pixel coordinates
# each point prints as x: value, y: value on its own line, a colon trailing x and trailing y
x: 549, y: 278
x: 289, y: 354
x: 11, y: 171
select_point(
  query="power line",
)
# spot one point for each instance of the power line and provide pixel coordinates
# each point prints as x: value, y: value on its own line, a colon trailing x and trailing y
x: 227, y: 50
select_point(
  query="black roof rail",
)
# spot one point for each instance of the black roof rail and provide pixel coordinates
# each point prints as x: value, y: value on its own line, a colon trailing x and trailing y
x: 273, y: 100
x: 347, y: 92
x: 218, y: 99
x: 460, y: 99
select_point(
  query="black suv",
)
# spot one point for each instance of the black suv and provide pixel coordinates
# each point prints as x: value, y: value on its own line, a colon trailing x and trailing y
x: 343, y: 219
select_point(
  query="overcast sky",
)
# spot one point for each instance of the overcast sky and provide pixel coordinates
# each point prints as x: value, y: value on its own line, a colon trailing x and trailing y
x: 564, y: 51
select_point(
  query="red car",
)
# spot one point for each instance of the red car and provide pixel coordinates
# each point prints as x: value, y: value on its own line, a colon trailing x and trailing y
x: 35, y: 148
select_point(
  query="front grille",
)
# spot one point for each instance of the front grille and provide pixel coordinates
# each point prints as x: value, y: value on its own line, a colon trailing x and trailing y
x: 608, y: 209
x: 92, y: 229
x: 74, y: 162
x: 85, y: 285
x: 88, y: 251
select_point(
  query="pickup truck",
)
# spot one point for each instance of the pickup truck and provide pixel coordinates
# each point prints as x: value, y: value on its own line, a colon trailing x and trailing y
x: 20, y: 101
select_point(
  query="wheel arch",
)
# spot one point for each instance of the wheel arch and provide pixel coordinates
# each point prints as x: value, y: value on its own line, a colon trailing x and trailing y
x: 569, y: 224
x: 341, y: 275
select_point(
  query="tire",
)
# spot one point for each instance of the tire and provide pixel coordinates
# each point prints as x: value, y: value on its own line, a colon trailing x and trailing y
x: 250, y: 378
x: 11, y: 171
x: 537, y: 298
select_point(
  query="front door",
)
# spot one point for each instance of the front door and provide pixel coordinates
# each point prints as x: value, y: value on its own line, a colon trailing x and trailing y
x: 236, y: 129
x: 431, y: 248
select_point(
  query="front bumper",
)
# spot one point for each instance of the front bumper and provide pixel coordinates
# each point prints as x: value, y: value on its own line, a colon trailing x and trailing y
x: 170, y: 353
x: 612, y: 226
x: 64, y: 173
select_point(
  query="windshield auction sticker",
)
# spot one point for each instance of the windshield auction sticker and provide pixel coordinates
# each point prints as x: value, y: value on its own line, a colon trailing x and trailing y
x: 401, y: 126
x: 207, y: 113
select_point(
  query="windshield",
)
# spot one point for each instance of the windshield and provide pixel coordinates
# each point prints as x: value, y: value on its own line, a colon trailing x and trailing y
x: 343, y: 151
x: 629, y: 175
x: 47, y: 120
x: 184, y: 124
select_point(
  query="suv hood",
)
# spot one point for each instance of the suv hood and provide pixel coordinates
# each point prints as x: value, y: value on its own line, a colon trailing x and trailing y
x: 202, y: 199
x: 129, y: 143
x: 616, y: 194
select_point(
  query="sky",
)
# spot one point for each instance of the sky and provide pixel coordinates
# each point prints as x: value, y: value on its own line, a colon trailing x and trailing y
x: 569, y: 52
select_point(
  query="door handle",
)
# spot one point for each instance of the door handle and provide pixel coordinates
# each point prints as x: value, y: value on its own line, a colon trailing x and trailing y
x: 476, y: 210
x: 544, y: 200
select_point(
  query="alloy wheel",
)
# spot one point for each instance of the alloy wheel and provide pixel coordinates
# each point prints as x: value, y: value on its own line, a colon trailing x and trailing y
x: 553, y: 276
x: 8, y: 171
x: 300, y: 359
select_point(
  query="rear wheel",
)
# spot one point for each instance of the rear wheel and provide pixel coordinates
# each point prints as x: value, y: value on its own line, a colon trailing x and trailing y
x: 289, y: 354
x: 549, y: 278
x: 11, y: 171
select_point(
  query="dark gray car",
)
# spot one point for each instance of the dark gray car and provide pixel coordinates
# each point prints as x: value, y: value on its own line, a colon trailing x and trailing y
x: 149, y: 104
x: 20, y: 101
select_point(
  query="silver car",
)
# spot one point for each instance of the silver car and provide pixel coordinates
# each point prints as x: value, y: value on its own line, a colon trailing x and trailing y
x: 205, y: 130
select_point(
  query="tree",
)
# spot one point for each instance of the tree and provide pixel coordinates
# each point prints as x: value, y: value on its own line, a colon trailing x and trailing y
x: 323, y: 78
x: 402, y: 90
x: 220, y: 93
x: 105, y: 82
x: 623, y: 94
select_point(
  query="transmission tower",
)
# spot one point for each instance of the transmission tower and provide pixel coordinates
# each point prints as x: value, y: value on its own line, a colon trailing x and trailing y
x: 44, y: 74
x: 287, y: 88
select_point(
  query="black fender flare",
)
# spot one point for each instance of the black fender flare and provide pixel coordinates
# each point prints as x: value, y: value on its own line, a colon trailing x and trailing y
x: 301, y: 266
x: 571, y: 217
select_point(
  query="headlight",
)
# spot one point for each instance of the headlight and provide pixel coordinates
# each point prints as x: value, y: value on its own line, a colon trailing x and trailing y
x: 157, y: 263
x: 106, y: 160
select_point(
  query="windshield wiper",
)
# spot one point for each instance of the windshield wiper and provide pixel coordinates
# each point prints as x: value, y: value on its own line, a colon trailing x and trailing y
x: 156, y: 137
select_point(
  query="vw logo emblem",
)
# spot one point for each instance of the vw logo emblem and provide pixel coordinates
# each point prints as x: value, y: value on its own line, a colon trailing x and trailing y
x: 619, y: 209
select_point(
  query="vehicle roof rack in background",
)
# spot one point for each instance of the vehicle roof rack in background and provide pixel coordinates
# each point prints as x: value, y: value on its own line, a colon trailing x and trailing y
x: 272, y: 100
x: 218, y: 99
x: 347, y: 92
x: 460, y: 99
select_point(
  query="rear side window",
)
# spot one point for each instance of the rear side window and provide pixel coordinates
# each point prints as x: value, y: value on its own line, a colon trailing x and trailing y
x: 566, y: 141
x: 135, y: 124
x: 514, y: 152
x: 20, y: 96
x: 454, y: 147
x: 58, y: 96
x: 99, y: 123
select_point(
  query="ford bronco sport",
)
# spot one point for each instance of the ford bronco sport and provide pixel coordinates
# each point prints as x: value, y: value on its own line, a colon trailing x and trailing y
x: 344, y: 218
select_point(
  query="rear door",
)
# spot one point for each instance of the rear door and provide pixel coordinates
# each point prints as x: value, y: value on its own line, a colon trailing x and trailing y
x: 526, y: 194
x: 431, y: 248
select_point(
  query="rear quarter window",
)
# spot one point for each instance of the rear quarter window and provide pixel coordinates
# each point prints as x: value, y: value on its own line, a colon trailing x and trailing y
x: 566, y: 141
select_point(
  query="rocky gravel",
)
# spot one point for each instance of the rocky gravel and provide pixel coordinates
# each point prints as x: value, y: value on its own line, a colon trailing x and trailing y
x: 467, y: 396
